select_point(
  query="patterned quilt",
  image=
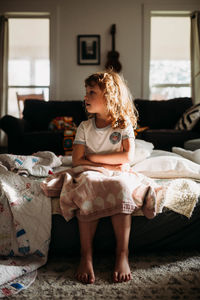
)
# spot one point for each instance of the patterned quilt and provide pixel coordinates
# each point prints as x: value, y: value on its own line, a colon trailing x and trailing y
x: 25, y: 219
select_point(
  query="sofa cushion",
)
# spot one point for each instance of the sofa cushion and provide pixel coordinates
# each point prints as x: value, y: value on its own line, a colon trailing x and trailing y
x: 40, y: 113
x: 161, y: 114
x: 189, y: 118
x: 41, y: 141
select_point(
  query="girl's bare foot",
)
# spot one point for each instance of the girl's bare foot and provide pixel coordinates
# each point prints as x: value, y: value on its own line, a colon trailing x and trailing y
x: 85, y: 272
x: 122, y: 272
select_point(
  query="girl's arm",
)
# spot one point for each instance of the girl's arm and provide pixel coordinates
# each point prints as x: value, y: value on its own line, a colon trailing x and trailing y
x: 126, y: 155
x: 78, y: 158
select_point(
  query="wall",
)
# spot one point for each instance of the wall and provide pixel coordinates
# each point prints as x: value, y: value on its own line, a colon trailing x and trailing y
x: 72, y: 17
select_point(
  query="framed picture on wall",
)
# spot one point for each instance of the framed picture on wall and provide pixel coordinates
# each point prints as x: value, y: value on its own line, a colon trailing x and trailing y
x: 88, y: 49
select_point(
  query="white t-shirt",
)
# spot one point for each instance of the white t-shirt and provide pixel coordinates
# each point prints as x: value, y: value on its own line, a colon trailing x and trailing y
x: 101, y: 140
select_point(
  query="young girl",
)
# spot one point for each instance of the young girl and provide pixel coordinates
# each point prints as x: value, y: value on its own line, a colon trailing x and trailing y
x: 107, y: 140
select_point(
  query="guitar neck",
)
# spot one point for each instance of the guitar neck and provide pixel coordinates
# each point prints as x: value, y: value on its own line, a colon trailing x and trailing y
x: 113, y: 42
x: 113, y: 30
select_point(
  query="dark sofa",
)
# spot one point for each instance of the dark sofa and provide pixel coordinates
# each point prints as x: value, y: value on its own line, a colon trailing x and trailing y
x: 32, y: 133
x: 161, y: 117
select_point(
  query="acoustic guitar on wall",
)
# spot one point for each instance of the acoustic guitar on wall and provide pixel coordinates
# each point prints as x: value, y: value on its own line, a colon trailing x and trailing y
x: 113, y: 56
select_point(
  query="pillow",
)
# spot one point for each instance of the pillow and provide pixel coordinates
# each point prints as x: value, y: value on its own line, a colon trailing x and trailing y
x: 191, y: 155
x: 189, y: 118
x: 66, y: 160
x: 143, y: 150
x: 168, y: 166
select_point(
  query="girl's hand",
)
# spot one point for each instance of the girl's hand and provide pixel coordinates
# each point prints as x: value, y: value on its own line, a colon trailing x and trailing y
x: 112, y: 167
x: 121, y: 167
x: 125, y: 167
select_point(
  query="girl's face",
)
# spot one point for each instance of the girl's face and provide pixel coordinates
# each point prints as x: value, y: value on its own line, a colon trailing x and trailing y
x: 95, y: 101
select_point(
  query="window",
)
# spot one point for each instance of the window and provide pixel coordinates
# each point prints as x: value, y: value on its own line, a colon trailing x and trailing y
x: 170, y: 74
x: 28, y: 63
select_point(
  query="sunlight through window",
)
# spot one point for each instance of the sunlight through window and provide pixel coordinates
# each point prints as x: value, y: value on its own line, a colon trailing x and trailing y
x: 170, y: 57
x: 29, y: 64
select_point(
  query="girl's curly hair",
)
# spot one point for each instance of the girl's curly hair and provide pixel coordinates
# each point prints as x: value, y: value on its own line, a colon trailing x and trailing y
x: 119, y: 100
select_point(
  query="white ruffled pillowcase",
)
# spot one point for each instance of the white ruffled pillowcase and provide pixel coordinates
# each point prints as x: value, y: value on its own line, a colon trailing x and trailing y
x: 168, y: 165
x: 143, y: 150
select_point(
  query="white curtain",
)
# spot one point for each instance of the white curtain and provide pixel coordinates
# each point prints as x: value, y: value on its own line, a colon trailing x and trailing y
x: 3, y: 72
x: 195, y: 56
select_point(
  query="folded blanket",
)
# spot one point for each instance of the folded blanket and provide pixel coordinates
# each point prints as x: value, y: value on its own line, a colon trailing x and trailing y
x: 179, y: 195
x: 93, y: 192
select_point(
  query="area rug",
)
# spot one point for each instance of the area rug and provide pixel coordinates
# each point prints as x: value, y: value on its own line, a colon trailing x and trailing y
x: 155, y: 276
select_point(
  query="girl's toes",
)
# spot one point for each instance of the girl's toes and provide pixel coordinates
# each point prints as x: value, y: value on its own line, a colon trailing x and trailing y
x: 85, y: 278
x: 115, y: 277
x: 128, y: 277
x: 122, y: 278
x: 91, y: 279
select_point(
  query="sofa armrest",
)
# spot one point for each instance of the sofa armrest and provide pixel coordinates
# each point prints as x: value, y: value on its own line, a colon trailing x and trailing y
x: 14, y: 126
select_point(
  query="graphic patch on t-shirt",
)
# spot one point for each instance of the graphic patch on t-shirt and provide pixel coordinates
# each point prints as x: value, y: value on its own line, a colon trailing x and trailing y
x: 115, y: 137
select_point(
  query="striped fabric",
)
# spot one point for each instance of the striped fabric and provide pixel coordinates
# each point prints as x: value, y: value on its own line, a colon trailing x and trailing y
x: 189, y: 118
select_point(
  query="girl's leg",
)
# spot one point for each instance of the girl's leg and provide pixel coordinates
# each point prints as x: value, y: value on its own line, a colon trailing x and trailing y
x: 122, y: 225
x: 85, y: 271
